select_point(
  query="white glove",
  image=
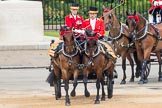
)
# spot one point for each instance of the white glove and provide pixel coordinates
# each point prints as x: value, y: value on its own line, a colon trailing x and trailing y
x: 79, y: 31
x: 157, y: 3
x: 82, y: 31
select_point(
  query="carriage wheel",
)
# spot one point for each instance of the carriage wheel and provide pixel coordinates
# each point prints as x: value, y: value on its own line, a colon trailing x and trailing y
x: 148, y: 68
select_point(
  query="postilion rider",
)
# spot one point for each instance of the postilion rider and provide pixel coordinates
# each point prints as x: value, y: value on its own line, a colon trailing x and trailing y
x: 97, y: 25
x: 73, y: 20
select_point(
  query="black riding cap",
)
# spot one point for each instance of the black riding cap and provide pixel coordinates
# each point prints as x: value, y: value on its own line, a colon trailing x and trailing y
x: 74, y: 6
x: 93, y: 9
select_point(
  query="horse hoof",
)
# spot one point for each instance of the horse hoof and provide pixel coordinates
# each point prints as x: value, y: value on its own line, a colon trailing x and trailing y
x: 137, y: 74
x: 110, y: 96
x: 116, y: 75
x: 123, y: 82
x: 141, y: 82
x: 145, y: 81
x: 131, y: 80
x: 160, y: 79
x: 59, y: 95
x: 87, y: 94
x: 73, y: 94
x: 97, y: 102
x: 67, y: 104
x: 102, y: 98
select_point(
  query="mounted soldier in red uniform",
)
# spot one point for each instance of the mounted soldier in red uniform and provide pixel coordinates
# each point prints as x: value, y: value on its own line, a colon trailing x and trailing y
x: 155, y: 12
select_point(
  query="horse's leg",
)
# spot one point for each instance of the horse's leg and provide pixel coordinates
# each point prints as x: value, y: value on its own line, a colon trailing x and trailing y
x: 110, y: 83
x: 59, y: 84
x: 159, y: 60
x: 124, y: 68
x: 75, y: 83
x: 66, y: 75
x: 132, y: 66
x: 85, y: 79
x: 57, y: 73
x: 103, y: 91
x: 67, y: 99
x: 144, y: 64
x: 98, y: 88
x: 138, y: 63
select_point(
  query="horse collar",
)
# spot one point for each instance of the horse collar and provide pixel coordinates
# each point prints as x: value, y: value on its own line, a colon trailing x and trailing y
x: 69, y: 55
x: 145, y: 32
x: 96, y: 54
x: 117, y: 37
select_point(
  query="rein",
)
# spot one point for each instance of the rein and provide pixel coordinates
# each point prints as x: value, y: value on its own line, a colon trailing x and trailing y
x: 116, y: 38
x: 145, y: 28
x: 82, y: 66
x: 109, y: 10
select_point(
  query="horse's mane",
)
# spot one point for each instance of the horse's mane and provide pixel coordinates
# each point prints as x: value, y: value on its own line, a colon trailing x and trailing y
x: 140, y: 16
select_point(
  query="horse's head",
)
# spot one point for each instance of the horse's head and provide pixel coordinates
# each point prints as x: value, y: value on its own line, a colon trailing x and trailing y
x: 132, y: 22
x: 109, y: 18
x: 91, y: 46
x: 69, y: 43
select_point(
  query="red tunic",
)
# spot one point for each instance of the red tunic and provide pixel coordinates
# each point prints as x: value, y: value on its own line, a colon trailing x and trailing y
x: 99, y: 26
x: 154, y: 7
x: 70, y: 21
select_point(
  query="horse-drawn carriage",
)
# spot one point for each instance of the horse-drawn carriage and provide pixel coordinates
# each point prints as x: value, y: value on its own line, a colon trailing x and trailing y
x: 81, y: 61
x: 138, y: 38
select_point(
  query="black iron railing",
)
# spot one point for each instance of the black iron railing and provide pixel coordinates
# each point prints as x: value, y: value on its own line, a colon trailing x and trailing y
x: 56, y: 10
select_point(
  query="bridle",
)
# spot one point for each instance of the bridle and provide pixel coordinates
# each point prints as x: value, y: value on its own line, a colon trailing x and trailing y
x: 96, y: 48
x: 136, y: 34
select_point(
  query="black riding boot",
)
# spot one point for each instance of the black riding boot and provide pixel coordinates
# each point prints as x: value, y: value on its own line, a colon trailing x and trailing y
x: 59, y: 47
x: 107, y: 55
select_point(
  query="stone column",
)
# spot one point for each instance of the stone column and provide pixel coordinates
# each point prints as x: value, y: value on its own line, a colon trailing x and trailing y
x: 21, y: 22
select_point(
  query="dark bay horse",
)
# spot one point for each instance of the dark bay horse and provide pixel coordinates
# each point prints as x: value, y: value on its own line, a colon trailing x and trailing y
x: 145, y: 37
x: 96, y: 62
x: 120, y: 39
x: 64, y: 64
